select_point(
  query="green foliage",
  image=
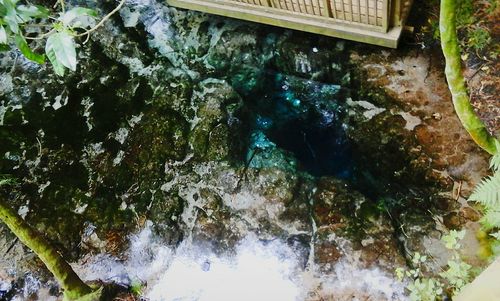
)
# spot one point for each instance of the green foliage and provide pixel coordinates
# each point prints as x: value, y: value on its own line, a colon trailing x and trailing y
x: 491, y: 219
x: 468, y: 18
x: 425, y: 289
x: 479, y: 38
x: 78, y: 17
x: 487, y: 193
x: 7, y: 180
x: 452, y: 239
x: 27, y: 52
x: 465, y: 13
x: 136, y: 287
x: 62, y: 29
x: 456, y: 275
x: 14, y: 15
x: 61, y: 50
x: 495, y: 159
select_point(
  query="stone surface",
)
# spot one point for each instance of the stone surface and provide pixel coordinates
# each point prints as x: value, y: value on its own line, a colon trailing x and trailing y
x: 169, y: 132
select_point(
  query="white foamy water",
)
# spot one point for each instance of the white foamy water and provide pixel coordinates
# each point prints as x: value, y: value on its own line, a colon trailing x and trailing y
x: 255, y: 271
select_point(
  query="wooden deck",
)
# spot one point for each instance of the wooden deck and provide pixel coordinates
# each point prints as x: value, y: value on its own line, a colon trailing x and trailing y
x: 378, y: 22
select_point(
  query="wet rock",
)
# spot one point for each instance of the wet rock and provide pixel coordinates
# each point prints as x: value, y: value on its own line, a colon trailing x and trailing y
x: 241, y: 55
x: 165, y: 213
x: 156, y: 139
x: 420, y: 233
x: 321, y: 60
x: 453, y: 221
x: 165, y: 133
x: 214, y: 125
x: 214, y: 226
x: 174, y: 91
x: 470, y: 214
x: 350, y: 227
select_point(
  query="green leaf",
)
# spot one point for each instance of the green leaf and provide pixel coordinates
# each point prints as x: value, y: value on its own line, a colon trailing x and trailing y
x: 59, y: 68
x: 3, y: 35
x: 12, y: 21
x: 32, y: 11
x: 27, y: 52
x: 495, y: 160
x: 78, y: 17
x: 488, y: 192
x: 62, y: 45
x: 11, y: 18
x: 496, y: 235
x: 491, y: 220
x: 3, y: 9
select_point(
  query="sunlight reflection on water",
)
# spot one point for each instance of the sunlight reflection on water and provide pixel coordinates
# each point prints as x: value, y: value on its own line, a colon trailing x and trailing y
x: 256, y: 270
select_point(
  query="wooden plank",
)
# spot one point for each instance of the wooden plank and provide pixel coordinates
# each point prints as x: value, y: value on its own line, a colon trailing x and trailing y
x: 367, y: 18
x: 396, y: 13
x: 385, y: 15
x: 484, y: 288
x: 350, y: 10
x: 327, y: 8
x: 342, y: 9
x: 279, y: 17
x: 354, y: 21
x: 371, y: 11
x: 359, y: 11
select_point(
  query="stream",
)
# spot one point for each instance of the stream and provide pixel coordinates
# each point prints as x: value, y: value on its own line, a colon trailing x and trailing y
x: 200, y: 158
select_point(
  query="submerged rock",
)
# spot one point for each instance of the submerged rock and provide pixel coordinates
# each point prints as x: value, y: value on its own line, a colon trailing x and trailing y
x: 206, y: 131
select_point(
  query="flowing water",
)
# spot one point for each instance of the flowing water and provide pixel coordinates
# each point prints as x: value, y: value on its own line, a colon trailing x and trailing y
x: 210, y: 160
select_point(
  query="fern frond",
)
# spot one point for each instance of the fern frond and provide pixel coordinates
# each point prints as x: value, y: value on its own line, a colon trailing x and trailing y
x: 488, y: 192
x: 491, y: 220
x: 495, y: 162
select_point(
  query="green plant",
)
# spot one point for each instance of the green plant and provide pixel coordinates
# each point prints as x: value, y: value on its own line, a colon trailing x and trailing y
x: 74, y: 288
x: 465, y: 13
x: 18, y: 23
x: 487, y: 193
x: 451, y: 280
x: 479, y: 38
x: 136, y: 287
x: 457, y: 273
x: 7, y: 180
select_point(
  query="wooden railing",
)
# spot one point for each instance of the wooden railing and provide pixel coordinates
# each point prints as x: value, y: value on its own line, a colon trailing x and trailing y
x: 367, y: 13
x: 378, y: 22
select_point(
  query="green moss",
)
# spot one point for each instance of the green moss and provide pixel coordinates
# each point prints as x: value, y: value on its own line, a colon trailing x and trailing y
x: 213, y: 138
x: 456, y: 81
x: 74, y: 288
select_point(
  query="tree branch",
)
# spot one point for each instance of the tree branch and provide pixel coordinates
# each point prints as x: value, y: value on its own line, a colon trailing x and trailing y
x: 456, y: 82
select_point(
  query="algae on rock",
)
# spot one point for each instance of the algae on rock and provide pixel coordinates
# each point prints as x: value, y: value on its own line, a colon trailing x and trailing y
x: 456, y: 82
x: 74, y: 288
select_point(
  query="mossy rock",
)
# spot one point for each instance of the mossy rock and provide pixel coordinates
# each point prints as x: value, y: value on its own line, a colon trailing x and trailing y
x: 213, y: 136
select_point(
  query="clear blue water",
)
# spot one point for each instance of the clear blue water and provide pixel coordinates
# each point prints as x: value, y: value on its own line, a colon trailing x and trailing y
x: 305, y: 118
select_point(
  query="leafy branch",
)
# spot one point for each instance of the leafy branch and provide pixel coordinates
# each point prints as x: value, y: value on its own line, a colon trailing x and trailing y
x: 64, y: 27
